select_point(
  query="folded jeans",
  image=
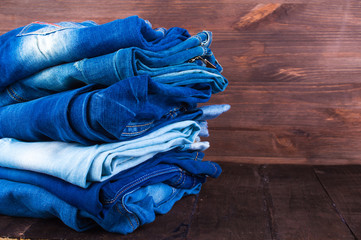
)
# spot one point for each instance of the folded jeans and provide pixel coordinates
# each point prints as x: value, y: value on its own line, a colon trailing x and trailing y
x: 43, y: 45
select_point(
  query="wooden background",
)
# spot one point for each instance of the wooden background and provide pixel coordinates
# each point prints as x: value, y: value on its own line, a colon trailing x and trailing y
x: 294, y: 69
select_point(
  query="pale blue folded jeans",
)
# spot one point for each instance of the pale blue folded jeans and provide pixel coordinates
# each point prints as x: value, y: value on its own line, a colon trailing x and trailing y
x: 81, y: 165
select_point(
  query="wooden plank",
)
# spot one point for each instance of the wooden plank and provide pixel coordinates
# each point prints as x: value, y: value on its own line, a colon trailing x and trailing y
x: 173, y: 225
x: 231, y: 207
x: 292, y: 65
x: 298, y: 206
x: 343, y: 185
x: 14, y: 227
x: 284, y: 143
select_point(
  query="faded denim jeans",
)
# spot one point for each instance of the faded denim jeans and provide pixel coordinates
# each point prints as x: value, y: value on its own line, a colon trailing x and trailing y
x: 168, y: 66
x: 81, y: 165
x: 27, y: 50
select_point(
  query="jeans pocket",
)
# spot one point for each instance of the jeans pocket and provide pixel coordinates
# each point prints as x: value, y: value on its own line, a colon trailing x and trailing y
x: 43, y: 28
x: 137, y: 128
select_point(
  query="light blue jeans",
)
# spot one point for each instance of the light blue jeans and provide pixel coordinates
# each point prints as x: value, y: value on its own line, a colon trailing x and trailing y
x: 80, y: 165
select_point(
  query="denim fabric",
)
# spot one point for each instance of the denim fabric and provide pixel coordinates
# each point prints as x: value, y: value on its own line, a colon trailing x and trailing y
x: 177, y: 169
x: 89, y: 115
x: 80, y: 165
x: 141, y: 206
x: 26, y: 200
x: 167, y: 65
x: 32, y: 48
x: 135, y: 209
x: 213, y: 111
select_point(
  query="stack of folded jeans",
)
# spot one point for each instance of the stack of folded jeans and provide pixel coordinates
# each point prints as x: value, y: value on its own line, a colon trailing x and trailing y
x: 100, y: 124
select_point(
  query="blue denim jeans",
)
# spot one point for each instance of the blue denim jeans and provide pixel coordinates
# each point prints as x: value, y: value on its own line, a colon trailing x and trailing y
x: 27, y: 50
x: 81, y: 165
x: 89, y: 115
x: 177, y: 169
x: 168, y: 65
x: 133, y: 210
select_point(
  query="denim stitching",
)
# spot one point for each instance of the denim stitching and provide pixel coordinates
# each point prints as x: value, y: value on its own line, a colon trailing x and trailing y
x: 136, y: 182
x: 204, y: 51
x: 214, y: 168
x: 15, y: 96
x: 36, y: 32
x: 143, y: 178
x: 132, y: 133
x: 207, y: 40
x: 115, y: 66
x: 125, y: 214
x: 172, y: 113
x: 199, y: 38
x: 170, y: 198
x: 45, y: 23
x: 116, y: 206
x: 195, y: 159
x: 142, y: 125
x: 24, y: 29
x: 184, y: 179
x: 179, y: 179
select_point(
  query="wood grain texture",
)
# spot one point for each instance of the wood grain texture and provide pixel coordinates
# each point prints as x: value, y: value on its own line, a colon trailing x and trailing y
x: 231, y: 207
x: 298, y: 206
x: 343, y: 185
x: 173, y: 225
x: 245, y: 202
x: 294, y: 69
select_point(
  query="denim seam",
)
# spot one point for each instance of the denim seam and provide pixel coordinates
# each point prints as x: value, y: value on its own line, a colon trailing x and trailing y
x: 196, y: 158
x: 174, y: 191
x: 59, y: 28
x: 115, y: 66
x: 204, y: 51
x: 216, y: 170
x: 207, y: 40
x: 139, y: 180
x: 184, y: 179
x: 179, y: 179
x: 132, y: 133
x: 126, y: 215
x: 194, y: 182
x: 15, y: 96
x: 142, y: 125
x: 199, y: 38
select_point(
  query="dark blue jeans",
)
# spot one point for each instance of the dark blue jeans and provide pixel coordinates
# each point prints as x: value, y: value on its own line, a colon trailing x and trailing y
x: 175, y: 168
x: 27, y: 50
x: 89, y: 115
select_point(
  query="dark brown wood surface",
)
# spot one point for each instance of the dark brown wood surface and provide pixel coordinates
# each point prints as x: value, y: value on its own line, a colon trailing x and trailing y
x: 245, y: 202
x: 294, y: 69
